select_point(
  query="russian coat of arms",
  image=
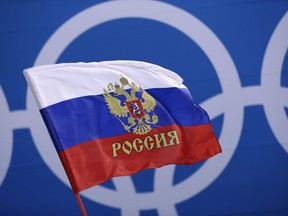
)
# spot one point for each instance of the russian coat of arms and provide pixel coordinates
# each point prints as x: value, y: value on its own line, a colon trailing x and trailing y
x: 133, y: 106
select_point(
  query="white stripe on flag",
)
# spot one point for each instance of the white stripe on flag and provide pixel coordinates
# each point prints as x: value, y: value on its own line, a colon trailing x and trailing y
x: 52, y: 84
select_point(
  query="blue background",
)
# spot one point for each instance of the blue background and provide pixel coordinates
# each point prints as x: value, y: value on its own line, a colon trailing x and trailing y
x: 255, y: 182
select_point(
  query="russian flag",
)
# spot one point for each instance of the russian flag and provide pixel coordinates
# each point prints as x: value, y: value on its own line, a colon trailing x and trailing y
x: 116, y: 118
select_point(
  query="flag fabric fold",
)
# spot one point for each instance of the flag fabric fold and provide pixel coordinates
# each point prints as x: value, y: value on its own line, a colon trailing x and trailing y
x: 116, y: 118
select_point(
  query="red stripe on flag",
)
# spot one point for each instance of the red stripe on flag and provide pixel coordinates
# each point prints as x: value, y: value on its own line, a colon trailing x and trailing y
x: 96, y: 161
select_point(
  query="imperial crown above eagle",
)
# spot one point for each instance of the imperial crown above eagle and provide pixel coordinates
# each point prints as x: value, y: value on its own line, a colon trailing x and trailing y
x: 133, y: 104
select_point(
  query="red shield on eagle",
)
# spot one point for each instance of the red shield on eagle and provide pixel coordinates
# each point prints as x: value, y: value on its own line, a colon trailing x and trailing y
x: 135, y: 108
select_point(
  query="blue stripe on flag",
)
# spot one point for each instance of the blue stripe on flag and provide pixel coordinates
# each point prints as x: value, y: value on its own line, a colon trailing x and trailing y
x: 86, y: 118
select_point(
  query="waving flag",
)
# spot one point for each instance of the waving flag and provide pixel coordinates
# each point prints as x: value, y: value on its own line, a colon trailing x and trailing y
x: 116, y: 118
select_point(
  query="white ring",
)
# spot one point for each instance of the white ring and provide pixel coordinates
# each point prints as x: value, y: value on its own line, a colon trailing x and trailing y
x: 6, y: 137
x: 271, y: 80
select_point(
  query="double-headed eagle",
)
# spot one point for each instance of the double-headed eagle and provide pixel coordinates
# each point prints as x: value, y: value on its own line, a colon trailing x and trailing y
x: 137, y: 110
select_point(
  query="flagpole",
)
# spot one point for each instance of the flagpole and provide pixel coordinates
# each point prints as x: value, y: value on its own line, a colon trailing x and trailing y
x: 82, y: 208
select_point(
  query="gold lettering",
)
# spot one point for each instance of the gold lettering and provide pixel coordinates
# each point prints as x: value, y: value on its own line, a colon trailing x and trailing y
x: 135, y: 145
x: 115, y: 148
x: 148, y: 140
x: 158, y: 141
x: 174, y: 138
x: 127, y: 151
